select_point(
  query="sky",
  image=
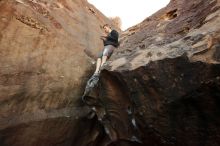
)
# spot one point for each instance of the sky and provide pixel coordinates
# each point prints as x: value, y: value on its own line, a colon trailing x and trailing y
x: 131, y: 12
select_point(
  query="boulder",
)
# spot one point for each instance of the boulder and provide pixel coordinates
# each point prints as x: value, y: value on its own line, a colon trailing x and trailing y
x: 167, y: 68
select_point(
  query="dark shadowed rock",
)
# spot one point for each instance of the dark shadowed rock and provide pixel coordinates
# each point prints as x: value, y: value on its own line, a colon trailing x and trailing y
x: 168, y: 69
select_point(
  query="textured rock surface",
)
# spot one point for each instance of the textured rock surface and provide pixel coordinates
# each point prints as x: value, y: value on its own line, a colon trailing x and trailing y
x: 44, y: 64
x: 169, y: 66
x: 161, y: 87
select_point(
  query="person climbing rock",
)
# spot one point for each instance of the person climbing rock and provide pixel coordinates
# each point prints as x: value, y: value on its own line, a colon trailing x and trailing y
x: 110, y: 42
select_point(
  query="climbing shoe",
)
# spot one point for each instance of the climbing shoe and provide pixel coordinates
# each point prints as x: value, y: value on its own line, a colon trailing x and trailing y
x: 95, y: 75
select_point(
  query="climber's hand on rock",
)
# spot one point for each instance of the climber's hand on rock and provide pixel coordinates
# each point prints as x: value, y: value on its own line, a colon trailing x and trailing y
x: 102, y: 37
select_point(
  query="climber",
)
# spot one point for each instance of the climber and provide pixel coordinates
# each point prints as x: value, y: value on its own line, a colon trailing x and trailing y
x: 110, y: 42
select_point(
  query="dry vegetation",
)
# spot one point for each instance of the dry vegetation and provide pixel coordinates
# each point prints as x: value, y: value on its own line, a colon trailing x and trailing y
x: 117, y: 21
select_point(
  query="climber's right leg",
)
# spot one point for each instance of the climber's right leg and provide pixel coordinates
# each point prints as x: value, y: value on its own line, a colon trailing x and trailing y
x: 104, y: 59
x: 98, y: 65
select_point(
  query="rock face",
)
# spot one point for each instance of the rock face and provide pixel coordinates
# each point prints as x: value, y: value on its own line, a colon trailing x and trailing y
x: 45, y: 61
x: 162, y: 86
x: 168, y: 73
